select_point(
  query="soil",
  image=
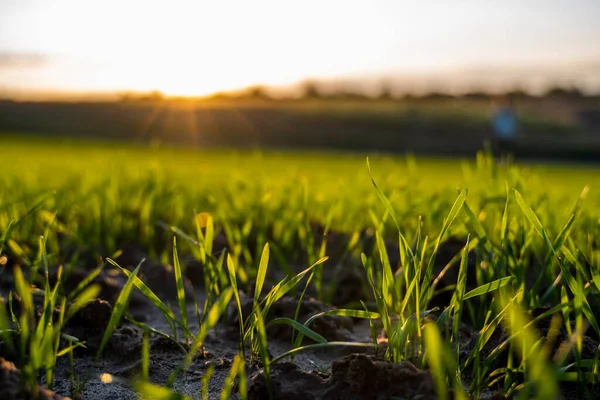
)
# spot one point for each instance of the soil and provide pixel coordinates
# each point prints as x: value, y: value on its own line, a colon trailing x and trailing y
x: 338, y: 373
x: 12, y: 386
x: 357, y: 376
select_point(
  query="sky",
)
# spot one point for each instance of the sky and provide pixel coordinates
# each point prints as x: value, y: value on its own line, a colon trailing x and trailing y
x: 198, y: 47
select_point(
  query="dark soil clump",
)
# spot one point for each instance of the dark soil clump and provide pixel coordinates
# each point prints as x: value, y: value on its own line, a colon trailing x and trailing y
x: 357, y: 376
x: 12, y: 386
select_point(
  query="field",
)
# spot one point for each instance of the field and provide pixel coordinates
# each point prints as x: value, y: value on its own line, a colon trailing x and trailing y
x: 171, y: 272
x: 548, y: 127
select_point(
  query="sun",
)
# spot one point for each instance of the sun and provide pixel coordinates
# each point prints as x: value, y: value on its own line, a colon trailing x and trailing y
x: 189, y: 47
x: 197, y: 48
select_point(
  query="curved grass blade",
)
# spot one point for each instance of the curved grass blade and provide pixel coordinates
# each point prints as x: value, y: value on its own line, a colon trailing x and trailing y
x: 441, y: 363
x: 238, y: 302
x: 383, y: 198
x: 230, y: 379
x: 303, y: 329
x: 179, y: 285
x: 148, y: 391
x: 488, y: 287
x: 319, y: 346
x: 88, y: 294
x: 342, y: 312
x: 154, y: 331
x: 6, y: 234
x: 150, y: 295
x: 262, y: 273
x: 118, y: 310
x: 205, y: 381
x: 290, y: 284
x: 310, y: 277
x: 456, y: 207
x: 479, y: 230
x: 540, y: 372
x: 86, y: 281
x: 261, y: 337
x: 504, y: 221
x: 23, y: 289
x: 145, y: 355
x: 338, y: 312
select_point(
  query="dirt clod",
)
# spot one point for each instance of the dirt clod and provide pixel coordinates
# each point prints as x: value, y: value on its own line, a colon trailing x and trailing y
x: 94, y: 316
x: 287, y: 382
x: 12, y: 386
x: 357, y: 376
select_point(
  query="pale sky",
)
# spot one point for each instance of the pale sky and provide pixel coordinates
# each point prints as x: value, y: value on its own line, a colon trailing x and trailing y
x: 196, y: 47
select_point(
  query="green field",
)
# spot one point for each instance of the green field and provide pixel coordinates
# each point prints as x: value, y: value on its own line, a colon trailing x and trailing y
x: 532, y: 237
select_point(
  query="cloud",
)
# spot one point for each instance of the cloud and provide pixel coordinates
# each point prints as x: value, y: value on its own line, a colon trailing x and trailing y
x: 22, y: 60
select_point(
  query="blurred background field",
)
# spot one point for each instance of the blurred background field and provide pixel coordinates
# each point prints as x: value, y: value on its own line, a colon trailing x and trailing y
x: 559, y: 125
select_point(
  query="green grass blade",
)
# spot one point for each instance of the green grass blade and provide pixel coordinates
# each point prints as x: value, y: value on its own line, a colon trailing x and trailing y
x: 479, y: 230
x: 242, y: 380
x: 23, y: 290
x: 300, y: 300
x: 236, y: 294
x: 86, y: 281
x: 205, y: 382
x: 6, y: 234
x: 535, y: 221
x: 5, y: 329
x: 145, y: 356
x: 383, y: 198
x: 319, y: 346
x: 209, y: 235
x: 303, y: 329
x: 434, y: 356
x: 488, y: 287
x: 118, y: 310
x: 147, y: 328
x: 442, y: 364
x: 179, y: 284
x: 148, y: 391
x: 261, y: 337
x: 88, y: 294
x: 388, y: 276
x: 538, y: 366
x: 504, y: 221
x: 230, y: 379
x: 290, y: 284
x: 262, y: 273
x: 150, y: 295
x: 456, y: 207
x: 338, y: 312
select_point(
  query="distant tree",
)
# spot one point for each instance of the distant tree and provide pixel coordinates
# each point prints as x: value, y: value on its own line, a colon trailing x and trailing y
x: 518, y: 93
x: 561, y: 92
x: 220, y: 96
x: 154, y: 95
x: 436, y: 96
x: 126, y: 96
x: 310, y: 90
x: 257, y: 92
x: 385, y: 92
x: 476, y: 95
